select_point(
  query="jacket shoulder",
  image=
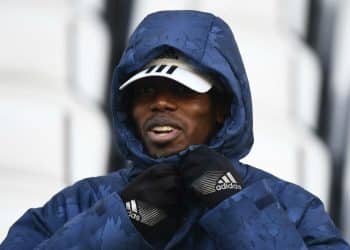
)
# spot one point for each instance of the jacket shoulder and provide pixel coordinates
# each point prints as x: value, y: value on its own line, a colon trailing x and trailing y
x: 106, y: 184
x: 294, y: 199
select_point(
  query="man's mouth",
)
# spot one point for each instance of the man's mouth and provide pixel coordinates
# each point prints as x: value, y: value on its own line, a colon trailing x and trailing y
x: 162, y: 130
x: 162, y: 134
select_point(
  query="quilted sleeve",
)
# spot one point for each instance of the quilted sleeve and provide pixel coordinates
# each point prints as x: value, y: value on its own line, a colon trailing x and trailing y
x: 74, y: 220
x: 255, y: 219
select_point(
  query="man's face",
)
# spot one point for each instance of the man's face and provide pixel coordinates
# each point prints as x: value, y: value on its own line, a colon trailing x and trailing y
x: 169, y: 117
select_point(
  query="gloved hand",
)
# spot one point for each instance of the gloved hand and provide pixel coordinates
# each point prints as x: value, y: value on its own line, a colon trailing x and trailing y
x: 152, y: 199
x: 210, y: 176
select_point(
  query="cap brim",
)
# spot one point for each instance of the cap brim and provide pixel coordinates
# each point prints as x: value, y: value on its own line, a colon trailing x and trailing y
x: 192, y: 80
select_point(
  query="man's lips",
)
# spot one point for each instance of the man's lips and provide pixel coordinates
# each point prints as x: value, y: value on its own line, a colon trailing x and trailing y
x: 164, y: 137
x: 162, y: 129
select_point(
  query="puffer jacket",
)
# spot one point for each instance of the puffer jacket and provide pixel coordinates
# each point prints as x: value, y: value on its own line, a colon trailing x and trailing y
x: 268, y: 213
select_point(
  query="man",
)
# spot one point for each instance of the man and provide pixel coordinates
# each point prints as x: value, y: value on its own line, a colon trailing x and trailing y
x: 182, y: 115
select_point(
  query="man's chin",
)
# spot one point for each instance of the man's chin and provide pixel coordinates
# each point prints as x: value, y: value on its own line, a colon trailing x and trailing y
x: 165, y: 152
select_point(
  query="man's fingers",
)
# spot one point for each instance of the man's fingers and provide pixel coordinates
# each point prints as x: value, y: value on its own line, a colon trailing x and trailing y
x: 161, y: 170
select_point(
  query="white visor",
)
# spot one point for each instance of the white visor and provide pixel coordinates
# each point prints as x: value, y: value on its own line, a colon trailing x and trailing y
x: 175, y: 69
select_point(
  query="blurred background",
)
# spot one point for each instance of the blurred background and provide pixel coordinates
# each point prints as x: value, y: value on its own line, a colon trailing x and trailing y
x: 56, y: 62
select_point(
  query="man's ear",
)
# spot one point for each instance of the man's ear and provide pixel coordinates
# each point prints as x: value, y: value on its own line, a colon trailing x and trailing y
x: 222, y: 106
x: 223, y: 109
x: 220, y: 115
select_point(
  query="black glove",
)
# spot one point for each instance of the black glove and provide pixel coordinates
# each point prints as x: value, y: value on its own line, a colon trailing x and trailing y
x: 210, y: 175
x: 152, y: 199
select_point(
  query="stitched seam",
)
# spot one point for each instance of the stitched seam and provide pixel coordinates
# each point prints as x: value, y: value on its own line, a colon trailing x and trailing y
x: 307, y: 207
x: 209, y: 33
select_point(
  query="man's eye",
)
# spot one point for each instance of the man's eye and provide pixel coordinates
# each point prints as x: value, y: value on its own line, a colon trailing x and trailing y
x: 145, y: 91
x: 182, y: 91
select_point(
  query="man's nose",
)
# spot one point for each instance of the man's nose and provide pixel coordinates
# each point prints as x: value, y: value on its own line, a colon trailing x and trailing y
x: 163, y: 101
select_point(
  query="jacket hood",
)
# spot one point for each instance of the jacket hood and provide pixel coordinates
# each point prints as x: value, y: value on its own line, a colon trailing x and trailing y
x: 207, y: 42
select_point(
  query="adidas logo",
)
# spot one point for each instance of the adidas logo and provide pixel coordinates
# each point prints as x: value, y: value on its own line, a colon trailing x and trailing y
x: 144, y: 213
x: 169, y: 69
x: 215, y: 181
x: 227, y: 181
x: 131, y: 208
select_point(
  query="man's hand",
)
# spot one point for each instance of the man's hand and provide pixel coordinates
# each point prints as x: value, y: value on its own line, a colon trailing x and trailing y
x: 152, y: 199
x: 210, y: 175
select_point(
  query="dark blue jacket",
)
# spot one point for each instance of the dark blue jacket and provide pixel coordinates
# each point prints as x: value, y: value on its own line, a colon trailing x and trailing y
x: 267, y: 214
